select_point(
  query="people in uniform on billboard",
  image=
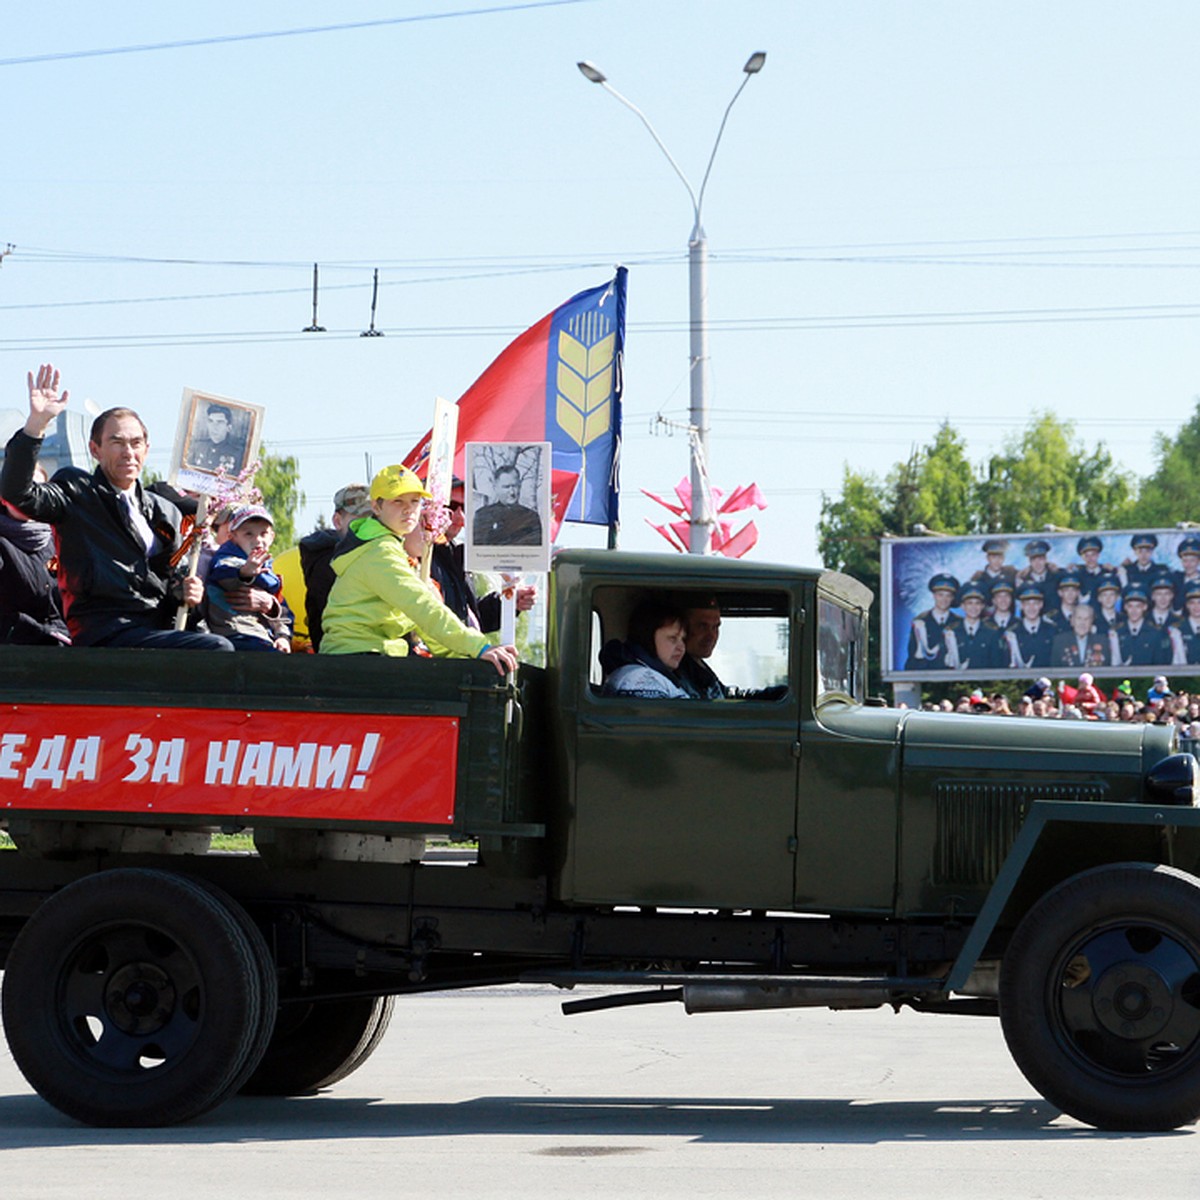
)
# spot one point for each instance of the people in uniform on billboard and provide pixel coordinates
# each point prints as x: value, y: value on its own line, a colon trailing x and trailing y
x: 927, y: 642
x: 1040, y: 571
x: 972, y: 644
x: 1143, y: 567
x: 1189, y: 558
x: 1081, y: 645
x: 997, y: 568
x: 1142, y: 644
x: 1189, y: 624
x: 1163, y: 615
x: 1067, y: 599
x: 1090, y: 569
x: 1108, y: 604
x: 1162, y: 601
x: 1002, y: 615
x: 1030, y: 640
x: 1007, y: 621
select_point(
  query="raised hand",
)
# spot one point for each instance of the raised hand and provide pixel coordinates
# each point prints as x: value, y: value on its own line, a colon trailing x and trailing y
x: 45, y: 403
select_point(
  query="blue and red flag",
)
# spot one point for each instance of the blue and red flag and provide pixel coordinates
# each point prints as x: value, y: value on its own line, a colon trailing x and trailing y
x: 559, y: 382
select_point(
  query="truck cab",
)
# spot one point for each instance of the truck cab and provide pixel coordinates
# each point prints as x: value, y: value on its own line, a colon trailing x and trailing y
x: 686, y: 803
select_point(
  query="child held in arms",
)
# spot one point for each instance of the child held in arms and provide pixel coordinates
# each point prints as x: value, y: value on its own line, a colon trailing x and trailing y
x: 244, y: 561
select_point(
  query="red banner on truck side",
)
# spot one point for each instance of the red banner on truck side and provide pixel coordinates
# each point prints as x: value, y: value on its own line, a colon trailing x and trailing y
x: 343, y: 767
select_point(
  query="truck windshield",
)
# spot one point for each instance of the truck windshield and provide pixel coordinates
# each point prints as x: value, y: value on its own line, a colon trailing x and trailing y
x: 839, y: 650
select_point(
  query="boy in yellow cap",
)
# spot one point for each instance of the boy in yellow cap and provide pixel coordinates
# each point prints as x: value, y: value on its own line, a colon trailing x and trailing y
x: 378, y: 596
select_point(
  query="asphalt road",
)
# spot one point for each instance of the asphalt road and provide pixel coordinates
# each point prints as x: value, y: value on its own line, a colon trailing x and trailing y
x: 496, y: 1094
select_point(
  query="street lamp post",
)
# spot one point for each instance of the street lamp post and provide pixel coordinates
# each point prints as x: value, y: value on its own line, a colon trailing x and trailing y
x: 701, y: 523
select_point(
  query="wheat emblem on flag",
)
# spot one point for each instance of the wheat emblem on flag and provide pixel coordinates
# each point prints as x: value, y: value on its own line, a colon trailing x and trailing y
x: 586, y: 350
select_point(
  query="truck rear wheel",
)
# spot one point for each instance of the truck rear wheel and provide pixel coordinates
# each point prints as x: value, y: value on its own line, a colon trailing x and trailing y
x: 134, y: 998
x: 316, y: 1044
x: 268, y: 982
x: 1100, y: 997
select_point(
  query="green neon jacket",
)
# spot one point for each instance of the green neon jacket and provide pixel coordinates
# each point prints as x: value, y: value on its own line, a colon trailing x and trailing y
x: 377, y: 598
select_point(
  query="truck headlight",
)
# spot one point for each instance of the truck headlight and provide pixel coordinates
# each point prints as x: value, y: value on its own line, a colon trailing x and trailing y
x: 1175, y: 780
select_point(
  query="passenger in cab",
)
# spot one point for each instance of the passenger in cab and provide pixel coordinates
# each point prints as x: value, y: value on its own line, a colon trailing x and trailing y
x: 702, y: 628
x: 378, y: 597
x: 646, y: 664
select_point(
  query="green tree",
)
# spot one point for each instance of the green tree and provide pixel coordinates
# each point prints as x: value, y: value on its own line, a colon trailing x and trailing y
x: 935, y: 487
x: 1045, y: 477
x: 946, y: 495
x: 851, y: 525
x: 279, y: 481
x: 1170, y: 494
x: 848, y: 535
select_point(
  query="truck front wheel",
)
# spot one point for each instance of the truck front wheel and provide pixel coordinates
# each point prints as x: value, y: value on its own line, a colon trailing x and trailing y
x: 317, y: 1043
x: 134, y: 998
x: 1100, y: 997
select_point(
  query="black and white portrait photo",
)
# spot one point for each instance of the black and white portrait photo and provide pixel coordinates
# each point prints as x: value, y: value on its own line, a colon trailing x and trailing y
x: 217, y: 437
x: 508, y: 505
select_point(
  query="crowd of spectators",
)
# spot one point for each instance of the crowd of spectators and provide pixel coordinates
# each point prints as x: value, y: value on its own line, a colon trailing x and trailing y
x: 1085, y: 701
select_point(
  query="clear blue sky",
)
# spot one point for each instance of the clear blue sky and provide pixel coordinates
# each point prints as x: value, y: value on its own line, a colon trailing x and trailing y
x: 920, y: 211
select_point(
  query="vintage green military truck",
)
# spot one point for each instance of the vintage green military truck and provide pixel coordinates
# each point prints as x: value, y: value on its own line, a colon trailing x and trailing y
x: 794, y: 844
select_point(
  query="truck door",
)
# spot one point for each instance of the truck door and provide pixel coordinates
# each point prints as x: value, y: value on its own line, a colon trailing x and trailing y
x: 690, y: 802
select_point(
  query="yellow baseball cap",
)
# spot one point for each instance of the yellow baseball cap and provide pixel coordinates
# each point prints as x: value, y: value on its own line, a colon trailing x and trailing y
x: 397, y: 481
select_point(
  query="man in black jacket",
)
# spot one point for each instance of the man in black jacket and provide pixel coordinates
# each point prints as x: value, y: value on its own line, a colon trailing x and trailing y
x: 316, y: 554
x: 114, y: 539
x: 448, y: 570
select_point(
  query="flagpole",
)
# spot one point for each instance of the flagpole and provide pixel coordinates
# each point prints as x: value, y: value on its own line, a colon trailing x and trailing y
x: 701, y: 519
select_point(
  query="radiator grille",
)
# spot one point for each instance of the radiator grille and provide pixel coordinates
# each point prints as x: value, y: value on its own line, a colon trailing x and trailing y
x: 978, y: 822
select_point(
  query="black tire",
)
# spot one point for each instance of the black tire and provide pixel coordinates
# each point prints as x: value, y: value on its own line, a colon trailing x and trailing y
x: 317, y: 1044
x: 268, y: 982
x: 133, y: 998
x: 1100, y: 997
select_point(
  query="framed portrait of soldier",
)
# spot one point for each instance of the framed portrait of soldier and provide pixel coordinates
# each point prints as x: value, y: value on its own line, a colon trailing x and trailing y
x: 508, y: 506
x: 217, y: 438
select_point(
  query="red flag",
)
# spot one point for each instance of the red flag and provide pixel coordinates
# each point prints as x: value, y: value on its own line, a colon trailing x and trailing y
x: 741, y: 543
x: 560, y: 381
x: 669, y: 532
x: 562, y: 489
x: 675, y: 508
x: 744, y: 497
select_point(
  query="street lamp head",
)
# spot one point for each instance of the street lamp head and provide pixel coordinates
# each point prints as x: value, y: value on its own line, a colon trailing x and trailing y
x: 754, y: 63
x: 595, y: 75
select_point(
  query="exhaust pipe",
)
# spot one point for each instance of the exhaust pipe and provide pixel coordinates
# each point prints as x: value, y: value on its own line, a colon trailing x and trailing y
x: 732, y: 997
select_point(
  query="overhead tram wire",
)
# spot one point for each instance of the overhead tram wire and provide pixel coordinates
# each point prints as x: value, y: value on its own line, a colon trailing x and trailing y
x: 750, y: 325
x: 443, y: 261
x: 222, y: 39
x: 325, y: 287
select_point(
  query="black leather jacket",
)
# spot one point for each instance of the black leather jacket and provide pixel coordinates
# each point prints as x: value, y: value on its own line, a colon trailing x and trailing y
x: 106, y: 579
x: 30, y: 608
x: 457, y: 591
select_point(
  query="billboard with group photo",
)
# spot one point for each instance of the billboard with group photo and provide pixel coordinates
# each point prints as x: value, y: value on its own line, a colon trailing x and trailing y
x: 994, y: 606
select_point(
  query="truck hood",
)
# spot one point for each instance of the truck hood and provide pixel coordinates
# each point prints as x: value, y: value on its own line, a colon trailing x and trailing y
x: 960, y: 742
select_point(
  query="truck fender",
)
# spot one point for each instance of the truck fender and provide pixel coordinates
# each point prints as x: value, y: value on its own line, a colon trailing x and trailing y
x: 1162, y: 834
